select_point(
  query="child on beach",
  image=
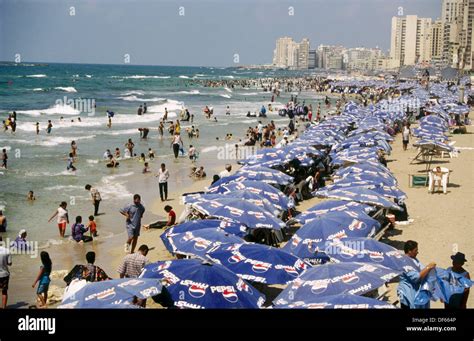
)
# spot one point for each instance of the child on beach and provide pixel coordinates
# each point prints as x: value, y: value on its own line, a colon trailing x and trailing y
x: 192, y: 153
x: 63, y: 218
x: 30, y: 196
x: 70, y: 161
x: 37, y: 128
x: 43, y: 279
x: 142, y: 157
x: 151, y: 154
x: 92, y: 226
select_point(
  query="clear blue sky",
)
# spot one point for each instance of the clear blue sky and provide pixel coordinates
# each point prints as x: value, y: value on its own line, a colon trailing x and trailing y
x: 209, y: 34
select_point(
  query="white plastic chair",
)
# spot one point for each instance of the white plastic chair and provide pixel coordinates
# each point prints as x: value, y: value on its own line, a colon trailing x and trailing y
x: 433, y: 178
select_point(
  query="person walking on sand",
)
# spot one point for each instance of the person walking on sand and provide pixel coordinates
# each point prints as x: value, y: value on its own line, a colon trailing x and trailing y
x: 63, y: 218
x: 133, y: 214
x: 411, y: 281
x: 43, y: 279
x: 405, y: 136
x: 96, y: 198
x: 176, y: 143
x: 163, y: 175
x: 5, y: 262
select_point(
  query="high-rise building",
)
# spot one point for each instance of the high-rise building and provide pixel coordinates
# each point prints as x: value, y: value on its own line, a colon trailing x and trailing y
x: 361, y: 58
x: 289, y: 54
x: 312, y: 59
x: 437, y: 30
x: 410, y: 39
x: 457, y: 17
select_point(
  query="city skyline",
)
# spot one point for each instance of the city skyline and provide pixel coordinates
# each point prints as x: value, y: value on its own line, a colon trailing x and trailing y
x: 155, y: 34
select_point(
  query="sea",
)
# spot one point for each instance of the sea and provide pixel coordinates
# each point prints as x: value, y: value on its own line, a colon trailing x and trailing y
x: 63, y: 93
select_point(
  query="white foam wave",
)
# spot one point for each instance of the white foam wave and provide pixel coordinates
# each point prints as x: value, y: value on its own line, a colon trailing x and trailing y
x: 37, y: 76
x: 55, y: 110
x: 141, y: 77
x: 192, y: 92
x: 133, y: 92
x: 66, y: 88
x: 134, y: 98
x: 7, y: 148
x: 227, y: 89
x: 89, y: 76
x: 184, y: 77
x: 38, y: 89
x: 64, y: 188
x: 225, y: 95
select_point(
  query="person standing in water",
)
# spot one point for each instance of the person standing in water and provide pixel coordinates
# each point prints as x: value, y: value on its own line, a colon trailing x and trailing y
x: 43, y: 279
x: 50, y: 126
x: 144, y: 108
x: 165, y: 116
x: 37, y: 128
x: 163, y: 175
x: 96, y: 198
x: 4, y: 158
x: 175, y: 144
x: 74, y: 148
x: 70, y: 163
x: 161, y: 128
x: 63, y: 218
x: 133, y: 214
x: 140, y: 111
x: 129, y: 145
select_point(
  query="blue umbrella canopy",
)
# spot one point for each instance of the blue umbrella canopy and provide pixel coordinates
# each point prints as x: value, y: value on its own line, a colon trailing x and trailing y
x: 433, y: 145
x: 197, y: 285
x: 229, y: 227
x: 366, y: 250
x: 332, y: 206
x: 362, y: 195
x: 265, y: 174
x: 342, y: 301
x: 197, y: 243
x: 258, y: 263
x: 386, y: 191
x: 117, y: 293
x: 373, y: 168
x: 251, y: 197
x: 335, y: 279
x: 270, y: 156
x: 239, y: 211
x: 275, y: 196
x: 312, y: 237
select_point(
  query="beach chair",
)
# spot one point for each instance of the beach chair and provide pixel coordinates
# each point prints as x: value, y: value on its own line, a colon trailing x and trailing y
x: 418, y: 180
x: 444, y: 178
x: 453, y: 153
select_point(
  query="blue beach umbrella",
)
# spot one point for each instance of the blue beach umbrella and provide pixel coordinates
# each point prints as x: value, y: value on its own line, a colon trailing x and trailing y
x: 342, y: 301
x: 197, y: 243
x: 366, y: 250
x: 335, y: 279
x: 202, y: 285
x: 239, y: 211
x: 239, y: 195
x: 362, y: 195
x: 432, y: 145
x: 332, y: 206
x: 275, y: 196
x: 117, y: 293
x: 258, y: 263
x: 312, y: 237
x: 228, y: 227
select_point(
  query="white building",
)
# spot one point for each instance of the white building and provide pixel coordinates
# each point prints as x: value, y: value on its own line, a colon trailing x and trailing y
x: 411, y: 39
x: 290, y: 54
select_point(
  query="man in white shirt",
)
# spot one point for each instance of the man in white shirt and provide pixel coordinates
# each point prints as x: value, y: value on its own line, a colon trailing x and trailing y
x: 5, y: 262
x: 259, y: 131
x: 226, y: 172
x: 163, y: 176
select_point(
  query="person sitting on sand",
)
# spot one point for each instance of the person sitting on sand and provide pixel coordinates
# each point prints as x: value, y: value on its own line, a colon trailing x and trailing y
x: 163, y: 224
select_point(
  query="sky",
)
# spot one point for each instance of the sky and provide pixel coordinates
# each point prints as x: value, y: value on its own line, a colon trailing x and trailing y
x: 210, y: 33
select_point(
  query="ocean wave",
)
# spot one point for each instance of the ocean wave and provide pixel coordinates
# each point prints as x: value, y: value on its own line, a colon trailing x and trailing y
x: 51, y: 141
x: 134, y: 98
x: 43, y: 174
x: 89, y: 76
x: 230, y: 76
x: 38, y: 89
x: 64, y: 188
x: 92, y: 162
x: 191, y: 92
x: 141, y: 77
x: 55, y: 110
x: 7, y: 148
x: 119, y: 132
x: 227, y: 89
x: 183, y: 77
x: 133, y: 92
x: 66, y: 88
x: 225, y: 95
x: 111, y: 187
x: 37, y: 76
